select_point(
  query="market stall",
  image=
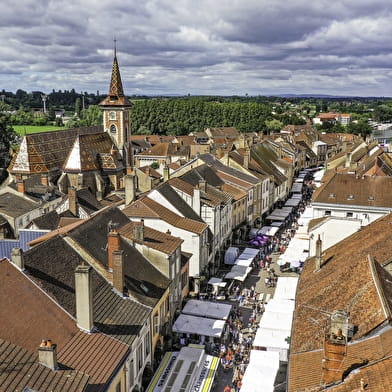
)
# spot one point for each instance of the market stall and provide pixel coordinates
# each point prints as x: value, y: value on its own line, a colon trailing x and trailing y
x: 238, y: 272
x: 201, y: 326
x: 215, y: 310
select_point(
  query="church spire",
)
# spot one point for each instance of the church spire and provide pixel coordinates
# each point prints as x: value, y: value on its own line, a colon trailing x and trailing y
x: 116, y: 88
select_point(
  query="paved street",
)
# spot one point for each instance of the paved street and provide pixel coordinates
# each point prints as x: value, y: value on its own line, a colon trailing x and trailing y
x: 256, y: 279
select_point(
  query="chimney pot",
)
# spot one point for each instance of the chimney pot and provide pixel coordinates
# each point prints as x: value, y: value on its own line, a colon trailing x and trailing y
x: 113, y: 244
x: 130, y: 188
x: 47, y: 354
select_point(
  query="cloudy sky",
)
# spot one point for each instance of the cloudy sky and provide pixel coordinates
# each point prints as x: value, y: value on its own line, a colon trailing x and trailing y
x: 225, y: 47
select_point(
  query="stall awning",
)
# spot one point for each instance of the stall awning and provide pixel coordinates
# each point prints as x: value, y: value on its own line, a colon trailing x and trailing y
x: 199, y: 325
x: 238, y: 272
x: 268, y: 230
x: 261, y: 371
x: 296, y: 188
x: 292, y: 202
x: 215, y: 310
x: 276, y: 224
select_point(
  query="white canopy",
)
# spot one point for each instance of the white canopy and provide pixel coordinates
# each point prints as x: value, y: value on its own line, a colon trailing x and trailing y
x: 199, y: 325
x: 268, y: 230
x: 286, y: 288
x: 261, y: 371
x: 273, y: 340
x: 292, y: 202
x: 296, y: 188
x: 215, y: 310
x: 296, y: 196
x: 280, y: 305
x: 246, y: 258
x: 275, y: 320
x: 276, y: 224
x: 238, y: 272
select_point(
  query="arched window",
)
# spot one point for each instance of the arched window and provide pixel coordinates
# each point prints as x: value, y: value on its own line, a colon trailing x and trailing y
x: 113, y: 129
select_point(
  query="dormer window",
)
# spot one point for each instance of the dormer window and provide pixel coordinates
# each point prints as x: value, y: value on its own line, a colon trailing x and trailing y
x: 371, y: 198
x: 350, y: 197
x: 112, y: 115
x: 332, y: 196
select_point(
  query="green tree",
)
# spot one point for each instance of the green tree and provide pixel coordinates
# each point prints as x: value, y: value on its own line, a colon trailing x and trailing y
x: 274, y: 125
x: 78, y: 106
x: 8, y: 137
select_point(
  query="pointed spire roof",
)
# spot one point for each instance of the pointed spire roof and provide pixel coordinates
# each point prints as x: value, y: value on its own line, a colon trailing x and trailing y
x: 116, y: 92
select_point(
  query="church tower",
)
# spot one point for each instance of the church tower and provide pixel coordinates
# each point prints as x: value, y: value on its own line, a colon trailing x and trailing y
x: 116, y: 114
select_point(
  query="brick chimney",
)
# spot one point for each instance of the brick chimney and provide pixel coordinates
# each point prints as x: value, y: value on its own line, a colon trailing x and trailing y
x: 47, y: 354
x: 113, y: 244
x: 246, y: 157
x: 138, y: 230
x: 72, y: 204
x: 166, y: 173
x: 17, y: 258
x: 203, y: 185
x: 20, y: 185
x: 318, y: 253
x: 44, y: 179
x: 118, y: 271
x: 130, y: 188
x: 84, y: 297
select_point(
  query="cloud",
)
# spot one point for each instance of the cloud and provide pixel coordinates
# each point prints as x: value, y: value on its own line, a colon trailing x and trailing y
x: 204, y: 47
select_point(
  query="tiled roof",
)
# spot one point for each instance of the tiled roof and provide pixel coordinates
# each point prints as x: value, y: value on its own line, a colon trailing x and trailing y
x: 48, y: 221
x: 224, y: 131
x: 112, y: 314
x: 154, y: 239
x: 161, y: 150
x: 210, y: 160
x: 91, y: 152
x: 91, y: 239
x: 233, y: 180
x: 24, y: 305
x: 44, y: 151
x: 202, y: 172
x: 14, y: 205
x: 349, y: 189
x: 156, y: 210
x: 237, y: 193
x: 20, y: 371
x: 347, y: 280
x: 305, y: 369
x: 94, y: 354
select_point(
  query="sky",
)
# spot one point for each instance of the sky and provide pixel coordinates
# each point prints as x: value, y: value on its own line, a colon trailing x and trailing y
x: 202, y: 47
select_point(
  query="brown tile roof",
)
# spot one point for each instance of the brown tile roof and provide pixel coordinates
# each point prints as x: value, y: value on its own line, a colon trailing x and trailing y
x: 156, y: 210
x: 154, y: 239
x: 347, y: 281
x: 233, y: 180
x: 95, y: 354
x: 348, y: 189
x: 181, y: 185
x: 24, y: 305
x: 305, y: 369
x: 161, y: 150
x: 21, y: 371
x: 237, y: 193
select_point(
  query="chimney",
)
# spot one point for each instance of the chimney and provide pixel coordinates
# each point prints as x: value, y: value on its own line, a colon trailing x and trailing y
x: 148, y: 171
x: 47, y: 354
x: 20, y: 185
x: 72, y: 205
x: 118, y: 271
x: 44, y: 179
x: 130, y: 188
x: 196, y: 200
x: 113, y: 244
x: 166, y: 173
x: 168, y: 232
x: 138, y: 231
x: 318, y: 253
x: 348, y: 159
x: 246, y: 157
x: 17, y: 258
x: 84, y: 297
x: 203, y: 185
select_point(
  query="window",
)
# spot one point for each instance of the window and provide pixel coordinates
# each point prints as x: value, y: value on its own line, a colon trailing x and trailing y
x: 140, y: 356
x: 113, y: 129
x: 147, y: 343
x: 118, y: 387
x: 349, y: 214
x: 327, y: 213
x: 156, y: 324
x: 112, y: 115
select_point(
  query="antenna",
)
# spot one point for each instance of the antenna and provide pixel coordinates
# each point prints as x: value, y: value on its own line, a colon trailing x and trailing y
x: 115, y: 45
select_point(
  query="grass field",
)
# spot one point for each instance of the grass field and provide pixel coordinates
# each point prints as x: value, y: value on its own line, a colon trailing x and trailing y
x: 26, y: 129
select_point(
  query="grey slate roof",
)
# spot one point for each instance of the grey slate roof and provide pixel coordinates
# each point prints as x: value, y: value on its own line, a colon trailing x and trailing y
x: 49, y: 221
x: 213, y: 162
x: 14, y: 205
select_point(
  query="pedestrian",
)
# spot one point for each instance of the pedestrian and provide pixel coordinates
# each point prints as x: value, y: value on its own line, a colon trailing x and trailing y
x: 227, y: 388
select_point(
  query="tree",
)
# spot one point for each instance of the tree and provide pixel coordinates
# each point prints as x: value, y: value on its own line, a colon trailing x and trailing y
x: 8, y: 137
x: 78, y: 106
x: 274, y: 125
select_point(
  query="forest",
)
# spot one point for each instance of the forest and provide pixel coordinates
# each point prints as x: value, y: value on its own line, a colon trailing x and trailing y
x: 181, y: 115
